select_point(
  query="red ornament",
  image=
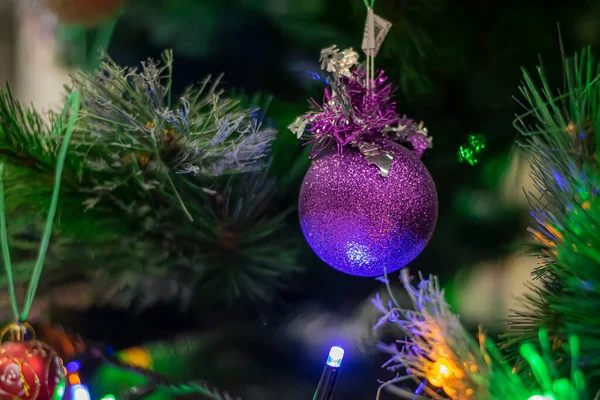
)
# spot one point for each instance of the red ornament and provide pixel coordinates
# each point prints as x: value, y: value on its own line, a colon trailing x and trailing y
x: 84, y: 12
x: 30, y: 371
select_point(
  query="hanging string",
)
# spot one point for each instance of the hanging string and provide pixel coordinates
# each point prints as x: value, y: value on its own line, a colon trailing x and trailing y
x: 372, y: 77
x: 375, y: 30
x: 104, y: 34
x: 5, y: 253
x: 370, y: 52
x: 88, y: 45
x: 71, y: 107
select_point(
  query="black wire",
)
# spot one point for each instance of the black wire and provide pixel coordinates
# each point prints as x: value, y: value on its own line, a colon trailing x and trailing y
x: 139, y: 392
x: 157, y: 381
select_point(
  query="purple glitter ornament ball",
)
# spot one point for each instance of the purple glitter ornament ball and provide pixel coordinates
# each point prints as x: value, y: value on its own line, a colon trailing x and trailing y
x: 360, y: 222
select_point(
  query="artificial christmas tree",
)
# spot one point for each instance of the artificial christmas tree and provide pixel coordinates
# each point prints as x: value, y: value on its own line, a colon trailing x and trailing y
x: 147, y: 233
x: 560, y: 138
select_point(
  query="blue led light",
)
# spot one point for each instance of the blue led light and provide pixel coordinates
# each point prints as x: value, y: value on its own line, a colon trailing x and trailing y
x: 80, y: 392
x: 336, y: 354
x: 73, y: 367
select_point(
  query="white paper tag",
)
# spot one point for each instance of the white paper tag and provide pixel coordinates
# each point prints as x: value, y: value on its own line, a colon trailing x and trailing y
x: 381, y: 27
x: 369, y: 35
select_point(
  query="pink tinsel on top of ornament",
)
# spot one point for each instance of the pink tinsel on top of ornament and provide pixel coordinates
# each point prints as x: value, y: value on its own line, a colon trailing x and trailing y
x: 351, y: 113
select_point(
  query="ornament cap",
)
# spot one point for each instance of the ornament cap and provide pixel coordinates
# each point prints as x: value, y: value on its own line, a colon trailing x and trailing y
x: 19, y: 331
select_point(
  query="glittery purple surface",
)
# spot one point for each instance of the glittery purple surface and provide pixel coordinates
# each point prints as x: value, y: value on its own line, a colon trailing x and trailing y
x: 360, y: 222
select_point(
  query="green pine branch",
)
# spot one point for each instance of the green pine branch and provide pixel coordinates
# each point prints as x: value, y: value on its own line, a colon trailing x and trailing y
x: 24, y: 135
x: 561, y: 141
x: 173, y: 191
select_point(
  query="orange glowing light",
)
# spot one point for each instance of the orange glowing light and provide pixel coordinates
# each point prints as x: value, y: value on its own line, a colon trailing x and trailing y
x: 136, y: 356
x: 74, y: 379
x: 554, y: 231
x: 540, y: 238
x: 571, y: 129
x: 441, y: 371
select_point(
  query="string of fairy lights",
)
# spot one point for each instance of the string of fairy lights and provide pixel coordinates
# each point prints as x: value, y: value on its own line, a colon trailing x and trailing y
x: 78, y: 390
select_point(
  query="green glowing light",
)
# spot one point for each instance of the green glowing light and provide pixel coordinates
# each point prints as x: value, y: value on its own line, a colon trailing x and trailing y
x: 468, y: 152
x: 109, y: 397
x: 542, y: 366
x: 562, y: 388
x: 59, y: 390
x: 538, y: 366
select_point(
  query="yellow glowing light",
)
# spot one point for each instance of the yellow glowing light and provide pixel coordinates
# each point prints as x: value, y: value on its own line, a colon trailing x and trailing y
x: 554, y: 231
x: 441, y: 371
x: 571, y: 129
x: 136, y: 356
x: 449, y: 391
x: 540, y: 238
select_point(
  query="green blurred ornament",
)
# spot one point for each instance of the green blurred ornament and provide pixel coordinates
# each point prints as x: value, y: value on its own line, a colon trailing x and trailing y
x: 469, y: 151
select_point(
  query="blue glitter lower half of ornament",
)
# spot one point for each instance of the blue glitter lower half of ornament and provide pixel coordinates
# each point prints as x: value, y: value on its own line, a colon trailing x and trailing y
x: 362, y: 223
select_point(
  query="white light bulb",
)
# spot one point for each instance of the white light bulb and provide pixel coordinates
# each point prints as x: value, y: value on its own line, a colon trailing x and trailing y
x: 336, y: 354
x: 539, y: 397
x: 79, y: 392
